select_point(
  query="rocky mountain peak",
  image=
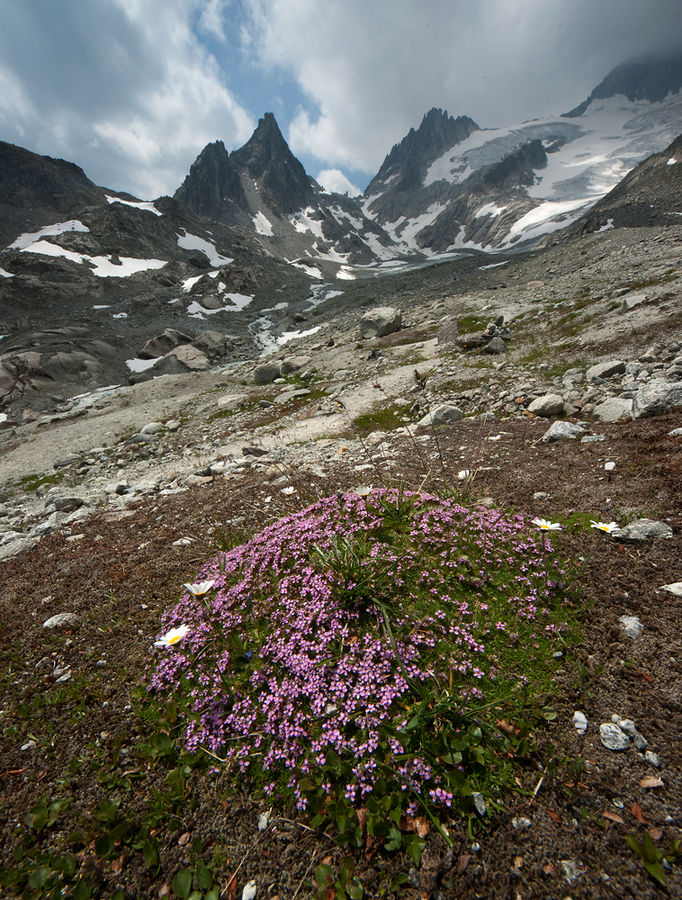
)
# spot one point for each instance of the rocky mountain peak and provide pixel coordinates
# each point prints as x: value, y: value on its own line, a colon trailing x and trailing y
x: 410, y: 158
x: 266, y: 157
x: 650, y: 78
x: 213, y: 187
x: 34, y: 189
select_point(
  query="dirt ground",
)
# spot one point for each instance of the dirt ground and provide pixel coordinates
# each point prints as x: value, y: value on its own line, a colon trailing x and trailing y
x: 87, y: 739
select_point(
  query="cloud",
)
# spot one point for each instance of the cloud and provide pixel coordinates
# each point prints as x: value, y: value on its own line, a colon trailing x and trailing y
x: 122, y: 87
x: 371, y: 70
x: 334, y: 180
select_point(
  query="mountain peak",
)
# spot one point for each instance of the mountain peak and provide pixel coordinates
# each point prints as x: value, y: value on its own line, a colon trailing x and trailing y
x: 213, y: 187
x: 648, y: 78
x: 410, y: 158
x: 266, y: 157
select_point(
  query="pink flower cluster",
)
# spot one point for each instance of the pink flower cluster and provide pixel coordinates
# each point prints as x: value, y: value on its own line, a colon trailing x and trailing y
x: 287, y: 659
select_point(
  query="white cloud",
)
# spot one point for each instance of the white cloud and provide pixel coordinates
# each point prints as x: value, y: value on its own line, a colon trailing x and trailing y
x: 372, y: 70
x: 122, y: 87
x: 334, y: 180
x: 211, y: 19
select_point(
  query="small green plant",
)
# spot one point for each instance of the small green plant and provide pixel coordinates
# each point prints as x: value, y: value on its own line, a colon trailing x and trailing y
x: 31, y: 483
x: 388, y: 418
x: 346, y: 885
x: 653, y: 857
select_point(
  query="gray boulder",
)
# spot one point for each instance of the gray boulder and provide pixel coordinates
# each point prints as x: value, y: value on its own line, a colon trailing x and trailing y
x: 473, y: 340
x: 380, y: 321
x: 495, y: 346
x: 448, y: 331
x: 657, y: 397
x: 613, y: 409
x: 191, y: 358
x: 442, y: 415
x: 212, y: 343
x: 562, y: 431
x: 294, y: 364
x: 643, y: 530
x: 163, y: 343
x: 547, y: 405
x: 266, y: 373
x: 605, y: 369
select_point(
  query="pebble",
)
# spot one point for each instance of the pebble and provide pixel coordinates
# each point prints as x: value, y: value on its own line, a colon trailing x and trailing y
x: 479, y: 803
x: 612, y: 737
x: 250, y: 890
x: 521, y: 823
x: 631, y: 626
x: 61, y: 620
x: 580, y: 722
x: 653, y: 758
x: 675, y: 588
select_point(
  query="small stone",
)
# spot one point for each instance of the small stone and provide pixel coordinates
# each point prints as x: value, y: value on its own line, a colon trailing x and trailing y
x: 479, y: 803
x: 580, y: 722
x: 521, y: 823
x: 631, y: 626
x: 264, y: 820
x: 61, y: 620
x: 628, y: 727
x: 612, y: 737
x: 675, y: 588
x: 639, y: 741
x: 249, y: 891
x: 643, y: 530
x: 562, y: 431
x: 29, y: 745
x: 653, y: 758
x: 572, y: 870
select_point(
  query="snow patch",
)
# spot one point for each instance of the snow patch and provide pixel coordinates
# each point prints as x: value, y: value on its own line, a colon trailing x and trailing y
x: 294, y: 335
x: 303, y: 222
x: 189, y: 241
x: 4, y: 274
x: 140, y: 365
x: 345, y: 274
x: 101, y: 266
x: 24, y: 241
x: 237, y: 303
x: 609, y: 225
x: 262, y: 225
x: 146, y: 205
x: 311, y: 271
x: 671, y: 161
x: 490, y: 209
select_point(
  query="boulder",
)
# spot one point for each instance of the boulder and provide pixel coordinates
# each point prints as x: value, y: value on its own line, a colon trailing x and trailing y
x: 562, y: 431
x: 643, y: 530
x: 448, y: 331
x: 212, y: 343
x: 441, y: 415
x: 473, y: 340
x: 605, y: 369
x: 495, y: 346
x: 548, y: 405
x: 191, y: 358
x: 163, y: 343
x: 294, y: 364
x: 657, y: 397
x: 380, y: 321
x: 613, y: 409
x: 266, y: 373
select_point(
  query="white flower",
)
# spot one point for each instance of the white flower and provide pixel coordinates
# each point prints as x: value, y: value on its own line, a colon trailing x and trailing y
x: 289, y: 490
x: 545, y: 525
x: 202, y: 587
x: 174, y: 636
x: 608, y: 527
x: 463, y: 474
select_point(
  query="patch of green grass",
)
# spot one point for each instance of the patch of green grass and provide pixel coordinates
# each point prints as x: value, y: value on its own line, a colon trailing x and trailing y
x: 470, y: 322
x: 388, y: 418
x: 31, y: 483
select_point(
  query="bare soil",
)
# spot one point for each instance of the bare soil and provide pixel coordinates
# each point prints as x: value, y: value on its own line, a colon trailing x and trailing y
x: 87, y: 738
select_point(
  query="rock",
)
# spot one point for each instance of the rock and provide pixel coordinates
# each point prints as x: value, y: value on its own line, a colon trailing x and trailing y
x: 380, y: 321
x: 656, y: 398
x: 68, y: 504
x: 211, y: 343
x: 210, y: 301
x: 441, y: 415
x: 580, y: 722
x: 294, y: 364
x: 675, y: 588
x: 605, y: 369
x: 613, y: 409
x: 190, y: 357
x: 631, y: 626
x: 473, y: 340
x: 479, y: 802
x: 612, y: 737
x: 61, y: 620
x: 495, y: 346
x: 562, y: 431
x: 448, y: 331
x: 163, y: 343
x: 266, y: 373
x: 151, y: 428
x: 643, y: 530
x: 521, y: 823
x: 547, y: 405
x: 653, y: 758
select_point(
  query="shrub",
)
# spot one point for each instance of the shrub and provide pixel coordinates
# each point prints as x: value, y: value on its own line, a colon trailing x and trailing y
x: 386, y: 652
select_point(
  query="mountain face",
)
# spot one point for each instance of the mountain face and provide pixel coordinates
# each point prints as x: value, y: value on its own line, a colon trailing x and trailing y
x: 645, y: 79
x: 34, y: 189
x: 250, y: 246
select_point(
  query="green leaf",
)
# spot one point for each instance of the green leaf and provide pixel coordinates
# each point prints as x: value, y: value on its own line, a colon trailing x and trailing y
x: 36, y: 819
x: 634, y: 845
x: 212, y: 894
x: 104, y: 845
x: 150, y: 853
x: 656, y: 871
x: 82, y: 891
x: 649, y: 852
x: 394, y: 841
x: 355, y: 890
x: 324, y: 876
x: 414, y: 849
x: 203, y: 876
x: 39, y: 877
x: 182, y: 884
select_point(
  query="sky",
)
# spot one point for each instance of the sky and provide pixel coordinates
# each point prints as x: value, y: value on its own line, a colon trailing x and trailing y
x: 132, y: 90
